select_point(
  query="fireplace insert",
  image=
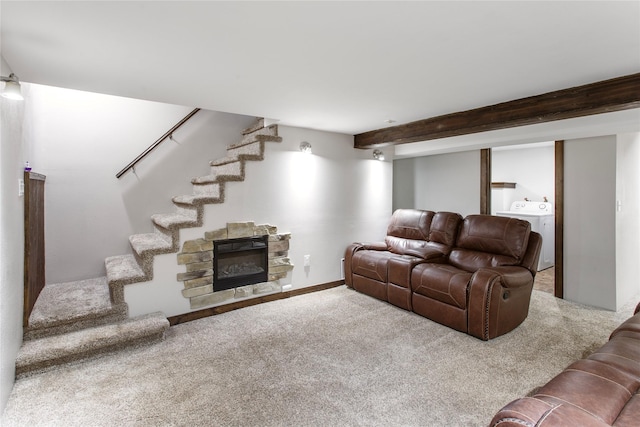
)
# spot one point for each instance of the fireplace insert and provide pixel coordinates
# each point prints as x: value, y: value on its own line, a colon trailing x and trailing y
x: 240, y: 262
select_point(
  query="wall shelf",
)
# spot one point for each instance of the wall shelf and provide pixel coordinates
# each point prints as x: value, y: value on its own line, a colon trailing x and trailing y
x: 503, y: 185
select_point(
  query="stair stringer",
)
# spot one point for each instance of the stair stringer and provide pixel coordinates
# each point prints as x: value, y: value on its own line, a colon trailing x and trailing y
x: 138, y: 266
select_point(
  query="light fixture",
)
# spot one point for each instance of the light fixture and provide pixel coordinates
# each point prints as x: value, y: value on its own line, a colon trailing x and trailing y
x: 378, y: 155
x: 305, y: 147
x: 11, y: 87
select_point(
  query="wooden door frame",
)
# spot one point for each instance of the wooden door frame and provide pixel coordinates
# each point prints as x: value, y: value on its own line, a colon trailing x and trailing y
x: 559, y: 219
x: 485, y: 181
x: 485, y: 206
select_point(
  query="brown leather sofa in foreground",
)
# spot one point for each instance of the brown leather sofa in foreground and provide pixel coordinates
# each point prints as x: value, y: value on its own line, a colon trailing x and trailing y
x: 601, y: 390
x: 473, y: 274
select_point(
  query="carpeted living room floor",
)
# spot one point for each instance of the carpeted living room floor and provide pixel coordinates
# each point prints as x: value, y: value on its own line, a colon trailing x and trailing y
x: 335, y: 357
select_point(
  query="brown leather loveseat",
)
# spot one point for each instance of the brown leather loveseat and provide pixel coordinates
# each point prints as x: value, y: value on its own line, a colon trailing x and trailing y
x: 601, y: 390
x: 474, y: 275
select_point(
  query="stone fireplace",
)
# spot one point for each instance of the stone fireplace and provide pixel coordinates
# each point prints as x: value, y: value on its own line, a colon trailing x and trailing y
x: 238, y: 261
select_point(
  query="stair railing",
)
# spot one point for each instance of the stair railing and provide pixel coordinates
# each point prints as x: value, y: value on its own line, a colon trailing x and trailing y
x: 153, y: 146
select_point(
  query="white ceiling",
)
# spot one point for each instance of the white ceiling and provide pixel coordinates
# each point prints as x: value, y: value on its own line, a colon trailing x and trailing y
x: 337, y: 66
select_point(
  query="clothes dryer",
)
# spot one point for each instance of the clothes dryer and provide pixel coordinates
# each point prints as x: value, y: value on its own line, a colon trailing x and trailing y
x: 542, y: 219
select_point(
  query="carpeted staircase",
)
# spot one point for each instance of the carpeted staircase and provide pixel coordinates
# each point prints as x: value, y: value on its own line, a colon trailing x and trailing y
x: 79, y: 320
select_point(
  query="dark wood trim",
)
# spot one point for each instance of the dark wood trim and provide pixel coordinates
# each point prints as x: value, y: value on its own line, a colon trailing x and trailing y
x: 621, y: 93
x: 559, y: 218
x: 34, y: 250
x: 195, y: 315
x: 485, y: 181
x: 503, y: 185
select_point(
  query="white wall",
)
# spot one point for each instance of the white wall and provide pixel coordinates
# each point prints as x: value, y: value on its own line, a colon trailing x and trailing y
x: 530, y: 166
x: 81, y: 140
x: 590, y: 221
x: 11, y: 238
x: 627, y: 218
x: 443, y: 182
x: 326, y: 200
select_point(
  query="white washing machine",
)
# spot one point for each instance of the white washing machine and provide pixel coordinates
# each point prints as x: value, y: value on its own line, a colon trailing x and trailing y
x: 542, y: 219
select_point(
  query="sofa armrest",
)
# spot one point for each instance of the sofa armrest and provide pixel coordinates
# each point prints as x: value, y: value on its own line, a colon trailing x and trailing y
x: 427, y: 253
x: 374, y: 246
x: 348, y: 258
x: 533, y: 411
x: 511, y: 276
x: 351, y: 250
x: 498, y: 300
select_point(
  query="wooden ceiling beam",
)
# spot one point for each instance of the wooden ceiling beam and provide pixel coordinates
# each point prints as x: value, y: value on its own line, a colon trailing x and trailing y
x: 621, y: 93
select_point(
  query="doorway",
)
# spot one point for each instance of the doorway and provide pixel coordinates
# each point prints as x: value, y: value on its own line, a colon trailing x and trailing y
x: 524, y: 184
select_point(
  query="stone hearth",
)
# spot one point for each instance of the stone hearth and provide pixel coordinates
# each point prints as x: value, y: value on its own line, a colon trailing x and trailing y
x: 197, y: 257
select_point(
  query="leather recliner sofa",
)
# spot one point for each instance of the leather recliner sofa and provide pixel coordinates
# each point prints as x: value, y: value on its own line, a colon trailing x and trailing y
x: 413, y: 236
x: 601, y: 390
x: 474, y: 275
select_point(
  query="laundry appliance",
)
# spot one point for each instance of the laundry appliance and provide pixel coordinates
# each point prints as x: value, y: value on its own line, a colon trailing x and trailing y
x: 542, y: 219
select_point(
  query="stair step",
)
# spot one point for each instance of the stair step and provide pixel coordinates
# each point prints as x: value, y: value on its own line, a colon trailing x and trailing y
x: 250, y: 151
x: 231, y: 171
x: 151, y: 244
x: 70, y: 306
x: 259, y: 124
x: 205, y: 180
x: 269, y: 133
x: 174, y: 220
x: 123, y: 269
x: 199, y: 199
x: 223, y: 161
x: 225, y: 169
x: 45, y: 353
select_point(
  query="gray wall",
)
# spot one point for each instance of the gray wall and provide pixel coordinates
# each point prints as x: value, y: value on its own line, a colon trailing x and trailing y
x: 590, y: 221
x: 442, y: 182
x: 628, y: 218
x: 11, y: 239
x: 602, y: 220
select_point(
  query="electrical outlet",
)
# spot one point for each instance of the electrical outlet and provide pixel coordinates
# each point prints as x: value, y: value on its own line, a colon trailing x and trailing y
x: 307, y: 260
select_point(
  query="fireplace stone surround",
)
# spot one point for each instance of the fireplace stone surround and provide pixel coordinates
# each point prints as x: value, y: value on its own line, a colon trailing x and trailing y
x: 197, y: 257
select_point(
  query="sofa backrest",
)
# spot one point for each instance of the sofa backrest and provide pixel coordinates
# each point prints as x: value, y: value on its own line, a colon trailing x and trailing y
x: 444, y: 230
x: 408, y: 229
x: 490, y: 241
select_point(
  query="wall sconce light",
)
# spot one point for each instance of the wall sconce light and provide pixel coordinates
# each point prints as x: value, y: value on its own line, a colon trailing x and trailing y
x: 11, y: 87
x: 305, y: 147
x: 378, y: 155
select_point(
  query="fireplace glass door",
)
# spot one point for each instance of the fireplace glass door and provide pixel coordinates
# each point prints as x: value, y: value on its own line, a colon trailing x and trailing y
x: 240, y: 262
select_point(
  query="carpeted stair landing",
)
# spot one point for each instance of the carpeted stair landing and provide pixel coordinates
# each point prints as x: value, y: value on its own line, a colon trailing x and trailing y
x: 76, y: 321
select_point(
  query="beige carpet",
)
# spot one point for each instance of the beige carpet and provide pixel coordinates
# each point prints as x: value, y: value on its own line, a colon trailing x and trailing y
x: 331, y: 358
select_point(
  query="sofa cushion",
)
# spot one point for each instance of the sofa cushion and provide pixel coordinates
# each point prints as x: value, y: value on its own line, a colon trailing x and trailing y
x: 408, y: 229
x: 490, y: 241
x: 622, y: 352
x: 593, y: 386
x: 632, y: 324
x: 629, y: 415
x: 442, y: 282
x: 444, y: 229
